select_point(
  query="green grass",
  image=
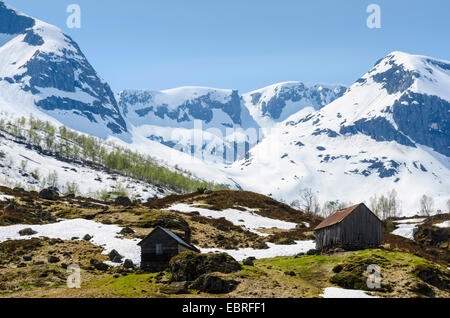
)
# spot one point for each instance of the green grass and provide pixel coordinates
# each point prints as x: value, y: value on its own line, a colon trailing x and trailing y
x: 319, y: 267
x: 251, y: 272
x: 130, y: 286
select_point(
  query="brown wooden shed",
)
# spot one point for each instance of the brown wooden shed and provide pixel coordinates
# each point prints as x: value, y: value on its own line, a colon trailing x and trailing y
x: 356, y: 227
x: 158, y: 248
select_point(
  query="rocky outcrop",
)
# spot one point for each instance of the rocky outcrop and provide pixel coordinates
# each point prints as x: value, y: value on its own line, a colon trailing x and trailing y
x: 123, y: 200
x: 49, y: 194
x: 430, y: 127
x: 27, y: 232
x: 99, y: 265
x: 115, y: 257
x: 189, y: 266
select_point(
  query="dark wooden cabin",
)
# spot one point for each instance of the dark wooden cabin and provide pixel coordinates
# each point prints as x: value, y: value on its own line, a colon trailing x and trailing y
x: 353, y: 228
x: 158, y: 248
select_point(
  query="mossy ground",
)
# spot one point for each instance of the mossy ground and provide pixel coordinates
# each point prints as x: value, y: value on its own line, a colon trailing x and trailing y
x: 266, y: 279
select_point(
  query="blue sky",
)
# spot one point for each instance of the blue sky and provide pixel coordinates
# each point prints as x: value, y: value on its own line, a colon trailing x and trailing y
x: 244, y: 44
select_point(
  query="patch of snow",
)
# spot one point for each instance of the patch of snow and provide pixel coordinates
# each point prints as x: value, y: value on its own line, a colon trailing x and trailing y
x: 334, y: 292
x: 273, y: 250
x: 443, y: 225
x: 105, y: 236
x: 5, y: 197
x: 89, y: 180
x: 407, y: 228
x: 410, y: 221
x: 248, y: 218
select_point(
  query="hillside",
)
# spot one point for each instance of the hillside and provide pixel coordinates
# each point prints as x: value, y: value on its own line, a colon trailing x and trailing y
x: 241, y: 224
x: 35, y: 154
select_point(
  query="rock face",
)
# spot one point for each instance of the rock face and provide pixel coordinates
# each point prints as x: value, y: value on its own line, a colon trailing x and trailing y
x: 277, y: 102
x: 419, y: 117
x: 49, y: 194
x: 429, y: 128
x: 189, y: 266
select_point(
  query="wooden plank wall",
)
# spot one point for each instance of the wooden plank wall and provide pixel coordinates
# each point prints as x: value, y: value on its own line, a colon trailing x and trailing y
x: 361, y: 227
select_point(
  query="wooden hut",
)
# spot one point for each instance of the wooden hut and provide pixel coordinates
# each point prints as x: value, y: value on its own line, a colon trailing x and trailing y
x: 158, y: 248
x: 353, y: 228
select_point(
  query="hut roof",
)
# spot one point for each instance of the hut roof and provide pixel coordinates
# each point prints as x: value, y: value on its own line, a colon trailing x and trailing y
x: 337, y: 217
x: 174, y: 236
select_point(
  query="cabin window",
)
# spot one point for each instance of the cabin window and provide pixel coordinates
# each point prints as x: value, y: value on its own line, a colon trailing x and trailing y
x: 159, y: 249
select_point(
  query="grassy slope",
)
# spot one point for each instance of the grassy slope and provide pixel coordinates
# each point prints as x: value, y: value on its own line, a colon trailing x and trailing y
x: 266, y: 279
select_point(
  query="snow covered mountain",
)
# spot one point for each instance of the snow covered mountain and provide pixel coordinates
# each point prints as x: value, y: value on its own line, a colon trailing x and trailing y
x: 277, y: 102
x: 218, y: 125
x: 44, y: 71
x: 390, y: 130
x: 206, y: 122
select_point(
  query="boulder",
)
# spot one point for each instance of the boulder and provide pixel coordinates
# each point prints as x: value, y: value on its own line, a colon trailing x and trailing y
x: 127, y: 230
x: 290, y: 273
x: 49, y: 194
x: 260, y: 245
x: 99, y: 265
x: 214, y: 283
x: 125, y: 201
x: 312, y: 252
x: 27, y: 232
x: 189, y: 266
x: 249, y: 261
x: 87, y: 237
x: 53, y: 259
x: 115, y: 257
x: 285, y: 241
x: 128, y: 264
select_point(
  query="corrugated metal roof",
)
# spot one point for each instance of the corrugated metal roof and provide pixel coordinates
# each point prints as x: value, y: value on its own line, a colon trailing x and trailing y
x: 337, y: 217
